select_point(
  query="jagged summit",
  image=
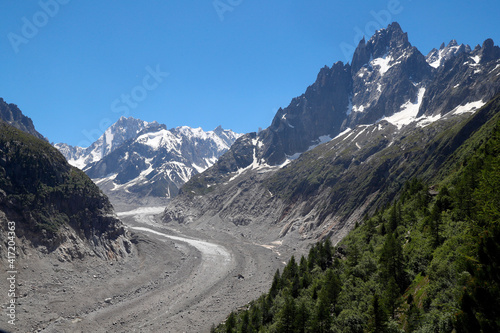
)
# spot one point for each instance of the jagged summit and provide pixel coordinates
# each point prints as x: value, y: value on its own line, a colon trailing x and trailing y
x: 138, y: 158
x: 389, y: 80
x: 390, y: 116
x: 436, y: 58
x: 117, y: 134
x: 391, y: 38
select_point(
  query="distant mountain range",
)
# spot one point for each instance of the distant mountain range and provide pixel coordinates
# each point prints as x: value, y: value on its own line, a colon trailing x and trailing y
x: 390, y: 115
x: 134, y: 158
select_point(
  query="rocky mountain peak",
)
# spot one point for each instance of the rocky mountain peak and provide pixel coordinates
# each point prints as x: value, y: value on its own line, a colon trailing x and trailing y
x: 117, y: 134
x: 436, y: 58
x: 489, y: 51
x: 389, y: 80
x: 11, y: 114
x: 384, y: 40
x: 218, y: 130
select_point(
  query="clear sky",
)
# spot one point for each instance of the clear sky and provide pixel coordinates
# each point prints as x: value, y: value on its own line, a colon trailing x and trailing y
x: 75, y: 67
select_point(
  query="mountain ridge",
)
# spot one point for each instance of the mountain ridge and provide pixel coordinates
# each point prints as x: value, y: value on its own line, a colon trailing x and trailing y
x: 11, y: 114
x: 55, y: 206
x: 371, y: 115
x: 135, y: 161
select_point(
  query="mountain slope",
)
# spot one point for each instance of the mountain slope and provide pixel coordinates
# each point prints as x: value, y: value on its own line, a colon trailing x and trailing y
x: 56, y: 207
x: 426, y: 263
x: 11, y: 114
x: 389, y: 79
x: 395, y: 125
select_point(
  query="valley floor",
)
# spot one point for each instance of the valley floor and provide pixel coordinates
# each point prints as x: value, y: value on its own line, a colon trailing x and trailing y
x: 179, y: 280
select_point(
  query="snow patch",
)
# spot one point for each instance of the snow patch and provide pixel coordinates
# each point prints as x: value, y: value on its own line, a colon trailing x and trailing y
x: 143, y: 211
x: 356, y: 108
x: 382, y: 63
x: 469, y: 107
x: 408, y: 112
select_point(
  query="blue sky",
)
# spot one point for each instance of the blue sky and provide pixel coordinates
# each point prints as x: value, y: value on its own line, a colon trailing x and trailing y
x: 75, y: 67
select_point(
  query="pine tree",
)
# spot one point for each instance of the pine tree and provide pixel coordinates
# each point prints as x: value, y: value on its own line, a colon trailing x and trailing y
x: 286, y: 316
x: 435, y: 226
x: 230, y: 323
x: 391, y: 262
x: 302, y: 317
x: 312, y: 257
x: 255, y: 316
x: 266, y: 303
x: 276, y: 285
x: 290, y: 271
x: 353, y: 255
x: 391, y: 296
x: 331, y: 287
x: 322, y: 318
x: 394, y: 217
x: 245, y: 326
x: 378, y: 317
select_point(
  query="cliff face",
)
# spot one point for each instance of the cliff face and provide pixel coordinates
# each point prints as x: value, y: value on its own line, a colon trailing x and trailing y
x: 56, y: 207
x: 380, y: 120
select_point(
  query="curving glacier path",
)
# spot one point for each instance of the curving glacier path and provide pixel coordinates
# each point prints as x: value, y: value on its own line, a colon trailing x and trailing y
x: 180, y: 279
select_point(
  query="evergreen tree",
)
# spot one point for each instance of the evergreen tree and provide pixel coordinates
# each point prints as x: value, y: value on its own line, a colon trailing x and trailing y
x: 435, y: 226
x: 267, y: 315
x: 331, y: 287
x: 378, y: 317
x: 394, y: 217
x: 391, y: 262
x: 245, y: 326
x: 312, y: 257
x: 322, y: 318
x: 276, y: 285
x: 289, y: 272
x: 302, y: 318
x: 390, y: 297
x: 286, y: 316
x: 353, y: 255
x: 255, y: 316
x: 230, y: 323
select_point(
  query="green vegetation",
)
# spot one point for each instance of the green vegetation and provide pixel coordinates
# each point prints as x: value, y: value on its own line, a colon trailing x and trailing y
x: 339, y: 177
x: 429, y: 262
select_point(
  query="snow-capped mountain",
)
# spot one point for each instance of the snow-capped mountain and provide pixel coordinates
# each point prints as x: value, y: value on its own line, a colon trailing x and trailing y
x: 116, y: 135
x: 388, y: 79
x: 135, y: 158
